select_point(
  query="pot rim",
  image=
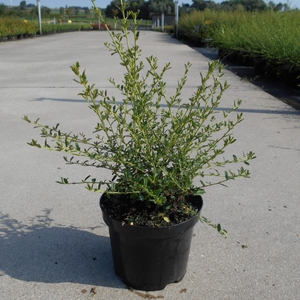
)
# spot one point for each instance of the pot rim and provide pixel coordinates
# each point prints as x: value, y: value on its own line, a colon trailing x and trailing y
x: 170, y: 231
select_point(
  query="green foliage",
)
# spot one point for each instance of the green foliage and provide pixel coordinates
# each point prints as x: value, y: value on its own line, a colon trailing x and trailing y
x: 3, y: 9
x: 10, y: 26
x: 159, y: 6
x: 23, y: 5
x: 253, y: 5
x: 145, y: 8
x: 142, y: 6
x: 64, y: 27
x: 271, y: 35
x: 202, y: 5
x: 237, y: 5
x: 168, y: 29
x: 156, y: 147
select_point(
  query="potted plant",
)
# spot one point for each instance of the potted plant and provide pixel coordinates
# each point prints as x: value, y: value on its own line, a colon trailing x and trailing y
x: 157, y: 149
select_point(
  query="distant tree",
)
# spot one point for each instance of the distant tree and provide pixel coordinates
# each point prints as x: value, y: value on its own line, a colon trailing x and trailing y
x: 278, y: 7
x: 142, y: 6
x: 30, y: 5
x: 62, y: 11
x: 271, y: 5
x: 33, y: 11
x: 199, y: 4
x: 239, y: 7
x: 108, y: 11
x: 255, y: 5
x: 286, y: 7
x: 212, y: 5
x: 45, y: 11
x: 23, y: 5
x: 111, y: 9
x: 72, y: 8
x: 2, y: 9
x: 249, y: 5
x: 184, y: 8
x: 15, y: 12
x: 86, y: 11
x: 153, y: 7
x: 226, y: 7
x: 159, y: 6
x: 76, y: 10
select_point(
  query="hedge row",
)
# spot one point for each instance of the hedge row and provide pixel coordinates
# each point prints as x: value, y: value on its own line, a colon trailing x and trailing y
x: 274, y: 36
x: 11, y: 28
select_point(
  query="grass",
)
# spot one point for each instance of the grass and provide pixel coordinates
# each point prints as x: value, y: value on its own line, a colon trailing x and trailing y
x: 274, y: 36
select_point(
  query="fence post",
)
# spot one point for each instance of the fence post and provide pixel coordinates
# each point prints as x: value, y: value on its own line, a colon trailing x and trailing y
x: 39, y: 16
x: 176, y: 19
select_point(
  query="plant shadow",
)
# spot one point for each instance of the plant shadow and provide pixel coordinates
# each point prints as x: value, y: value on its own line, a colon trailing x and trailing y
x: 40, y: 253
x: 270, y: 111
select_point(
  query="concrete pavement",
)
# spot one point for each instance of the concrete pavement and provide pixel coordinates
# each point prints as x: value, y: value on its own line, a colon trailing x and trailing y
x: 53, y: 241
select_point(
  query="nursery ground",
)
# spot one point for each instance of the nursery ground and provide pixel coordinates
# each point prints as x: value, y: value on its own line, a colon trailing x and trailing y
x: 273, y: 87
x: 53, y: 241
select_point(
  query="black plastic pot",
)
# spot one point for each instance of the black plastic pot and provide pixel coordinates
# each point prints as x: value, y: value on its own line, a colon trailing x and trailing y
x: 223, y: 53
x: 289, y: 76
x: 245, y: 59
x: 259, y: 66
x: 150, y: 258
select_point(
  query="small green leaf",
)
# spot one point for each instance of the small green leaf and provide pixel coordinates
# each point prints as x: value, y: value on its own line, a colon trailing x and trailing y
x: 199, y: 192
x: 226, y: 175
x: 167, y: 219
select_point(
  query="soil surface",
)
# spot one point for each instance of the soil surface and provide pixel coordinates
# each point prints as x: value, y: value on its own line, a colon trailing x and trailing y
x: 135, y: 212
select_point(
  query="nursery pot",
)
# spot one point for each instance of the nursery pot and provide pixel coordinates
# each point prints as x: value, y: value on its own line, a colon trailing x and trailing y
x: 149, y: 258
x: 259, y: 66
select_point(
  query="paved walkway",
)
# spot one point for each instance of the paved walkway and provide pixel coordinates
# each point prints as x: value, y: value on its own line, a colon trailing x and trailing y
x: 53, y: 242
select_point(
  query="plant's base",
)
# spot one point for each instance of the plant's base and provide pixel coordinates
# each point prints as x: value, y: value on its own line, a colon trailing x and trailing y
x: 135, y: 212
x: 149, y: 259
